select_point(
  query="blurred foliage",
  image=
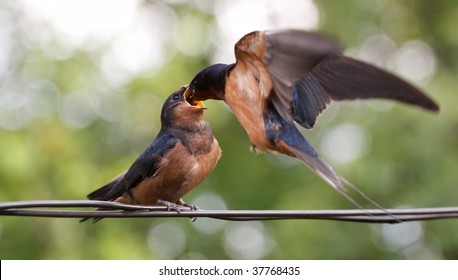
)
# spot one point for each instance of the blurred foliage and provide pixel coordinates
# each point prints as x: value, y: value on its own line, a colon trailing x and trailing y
x: 71, y: 119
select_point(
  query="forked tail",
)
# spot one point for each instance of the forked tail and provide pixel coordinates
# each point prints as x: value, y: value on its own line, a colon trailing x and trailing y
x: 306, y: 153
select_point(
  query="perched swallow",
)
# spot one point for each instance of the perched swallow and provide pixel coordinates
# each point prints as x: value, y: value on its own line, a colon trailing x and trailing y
x: 291, y: 76
x: 181, y: 156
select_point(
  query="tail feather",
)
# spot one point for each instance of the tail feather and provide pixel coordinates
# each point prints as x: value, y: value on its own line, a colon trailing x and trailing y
x: 339, y: 183
x: 100, y: 193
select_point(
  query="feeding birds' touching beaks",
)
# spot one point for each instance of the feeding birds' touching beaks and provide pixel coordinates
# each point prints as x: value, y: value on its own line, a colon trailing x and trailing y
x: 181, y: 156
x: 214, y: 85
x: 192, y: 101
x: 287, y: 76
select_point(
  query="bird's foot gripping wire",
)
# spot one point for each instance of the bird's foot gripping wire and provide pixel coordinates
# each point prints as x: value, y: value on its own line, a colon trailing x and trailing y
x: 176, y: 206
x: 193, y: 207
x: 170, y: 205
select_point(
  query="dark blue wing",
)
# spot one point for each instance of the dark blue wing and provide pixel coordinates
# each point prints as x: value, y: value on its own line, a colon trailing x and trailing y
x: 309, y: 100
x: 145, y: 166
x: 308, y: 71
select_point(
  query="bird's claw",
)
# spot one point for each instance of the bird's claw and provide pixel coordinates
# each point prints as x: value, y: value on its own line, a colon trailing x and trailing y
x: 176, y: 206
x: 192, y: 207
x: 170, y: 205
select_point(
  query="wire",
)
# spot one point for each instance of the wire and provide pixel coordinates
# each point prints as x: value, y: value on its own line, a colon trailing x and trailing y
x: 119, y: 210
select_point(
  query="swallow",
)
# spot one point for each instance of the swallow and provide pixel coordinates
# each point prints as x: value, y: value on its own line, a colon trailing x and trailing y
x: 181, y: 156
x: 290, y: 76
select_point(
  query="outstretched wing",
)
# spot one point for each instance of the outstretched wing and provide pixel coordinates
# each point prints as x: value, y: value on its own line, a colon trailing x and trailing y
x: 144, y: 166
x: 338, y: 77
x: 308, y: 70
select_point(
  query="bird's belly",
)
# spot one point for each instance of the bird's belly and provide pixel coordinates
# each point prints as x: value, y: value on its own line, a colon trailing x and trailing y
x: 204, y: 165
x: 247, y: 100
x: 250, y: 116
x: 180, y: 172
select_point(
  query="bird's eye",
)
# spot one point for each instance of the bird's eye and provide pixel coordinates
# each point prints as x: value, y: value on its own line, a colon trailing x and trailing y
x: 176, y: 97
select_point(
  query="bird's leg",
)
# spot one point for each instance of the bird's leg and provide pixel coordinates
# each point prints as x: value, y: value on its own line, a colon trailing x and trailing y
x: 254, y: 149
x: 193, y: 207
x: 176, y: 206
x: 169, y: 205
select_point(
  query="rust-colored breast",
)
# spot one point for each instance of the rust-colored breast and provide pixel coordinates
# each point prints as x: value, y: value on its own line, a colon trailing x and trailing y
x: 248, y: 88
x: 180, y: 171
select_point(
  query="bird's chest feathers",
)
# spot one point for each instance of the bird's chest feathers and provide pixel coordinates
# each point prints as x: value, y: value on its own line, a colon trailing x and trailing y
x: 246, y: 94
x: 205, y: 151
x: 186, y: 166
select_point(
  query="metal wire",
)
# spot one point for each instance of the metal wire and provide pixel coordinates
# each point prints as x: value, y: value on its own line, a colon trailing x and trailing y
x: 119, y: 210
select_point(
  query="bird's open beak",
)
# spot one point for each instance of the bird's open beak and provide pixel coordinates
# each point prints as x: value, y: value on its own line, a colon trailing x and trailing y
x: 189, y: 99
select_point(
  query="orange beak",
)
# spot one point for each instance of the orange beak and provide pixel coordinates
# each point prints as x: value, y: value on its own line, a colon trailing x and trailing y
x: 189, y: 99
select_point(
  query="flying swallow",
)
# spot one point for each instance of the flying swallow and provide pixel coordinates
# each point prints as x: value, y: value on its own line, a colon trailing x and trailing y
x: 181, y: 156
x: 289, y: 76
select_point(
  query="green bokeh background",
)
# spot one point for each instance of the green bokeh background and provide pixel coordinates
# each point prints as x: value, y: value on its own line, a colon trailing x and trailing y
x: 53, y: 147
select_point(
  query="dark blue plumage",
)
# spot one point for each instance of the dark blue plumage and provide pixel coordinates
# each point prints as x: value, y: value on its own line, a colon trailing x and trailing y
x: 143, y: 167
x: 278, y: 129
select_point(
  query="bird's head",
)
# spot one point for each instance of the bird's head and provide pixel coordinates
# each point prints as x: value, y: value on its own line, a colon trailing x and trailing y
x: 208, y: 84
x: 179, y: 113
